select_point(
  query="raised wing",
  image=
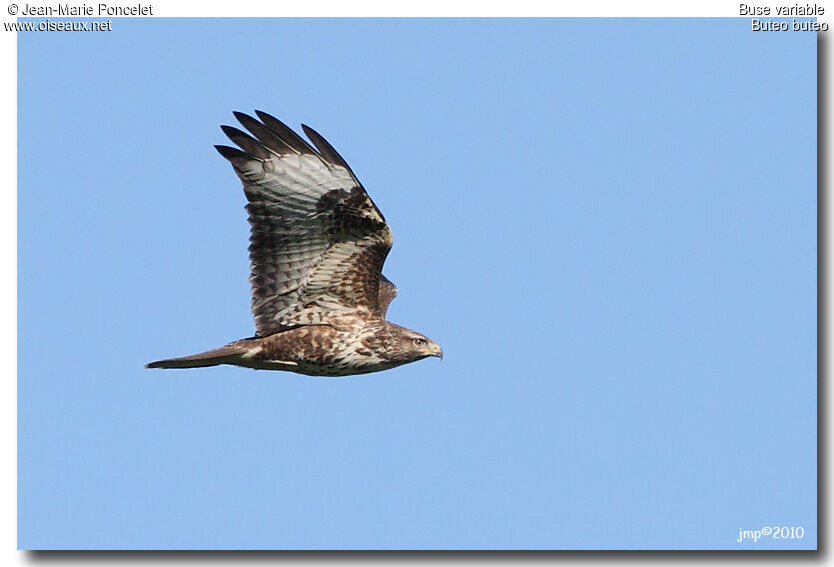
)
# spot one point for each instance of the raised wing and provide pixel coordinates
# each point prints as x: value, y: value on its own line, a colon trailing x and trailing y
x: 318, y: 242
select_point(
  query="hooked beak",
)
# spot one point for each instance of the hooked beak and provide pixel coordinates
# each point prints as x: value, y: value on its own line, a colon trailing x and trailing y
x: 435, y: 350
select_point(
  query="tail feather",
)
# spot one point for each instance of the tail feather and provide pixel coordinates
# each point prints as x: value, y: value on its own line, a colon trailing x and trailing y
x: 224, y: 355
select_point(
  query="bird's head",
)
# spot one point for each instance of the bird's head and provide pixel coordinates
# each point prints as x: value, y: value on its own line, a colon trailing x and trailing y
x: 411, y: 345
x: 421, y: 346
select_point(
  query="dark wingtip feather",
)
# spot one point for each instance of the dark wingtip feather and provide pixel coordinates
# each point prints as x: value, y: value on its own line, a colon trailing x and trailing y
x: 229, y: 130
x: 325, y: 149
x: 231, y: 153
x: 270, y: 121
x: 241, y: 116
x: 272, y: 140
x: 287, y: 134
x: 246, y: 142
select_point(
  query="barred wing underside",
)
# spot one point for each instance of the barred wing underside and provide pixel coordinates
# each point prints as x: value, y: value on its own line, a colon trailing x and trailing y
x: 317, y: 241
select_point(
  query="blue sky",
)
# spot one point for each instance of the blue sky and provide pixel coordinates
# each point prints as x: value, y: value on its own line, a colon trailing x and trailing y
x: 609, y: 226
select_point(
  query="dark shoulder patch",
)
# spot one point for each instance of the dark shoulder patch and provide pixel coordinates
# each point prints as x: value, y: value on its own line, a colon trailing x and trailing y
x: 331, y: 199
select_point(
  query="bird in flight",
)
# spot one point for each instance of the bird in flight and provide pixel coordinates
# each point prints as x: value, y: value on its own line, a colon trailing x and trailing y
x: 317, y: 246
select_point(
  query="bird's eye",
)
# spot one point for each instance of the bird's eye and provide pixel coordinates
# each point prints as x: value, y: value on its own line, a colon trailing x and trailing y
x: 419, y: 342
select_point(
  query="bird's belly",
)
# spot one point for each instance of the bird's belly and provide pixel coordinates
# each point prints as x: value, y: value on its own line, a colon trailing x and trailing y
x: 346, y: 364
x: 361, y: 364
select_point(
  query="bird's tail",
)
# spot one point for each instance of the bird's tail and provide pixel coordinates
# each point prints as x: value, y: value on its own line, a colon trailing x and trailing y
x: 228, y: 354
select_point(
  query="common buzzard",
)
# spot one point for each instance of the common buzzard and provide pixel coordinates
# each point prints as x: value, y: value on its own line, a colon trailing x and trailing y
x: 317, y: 247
